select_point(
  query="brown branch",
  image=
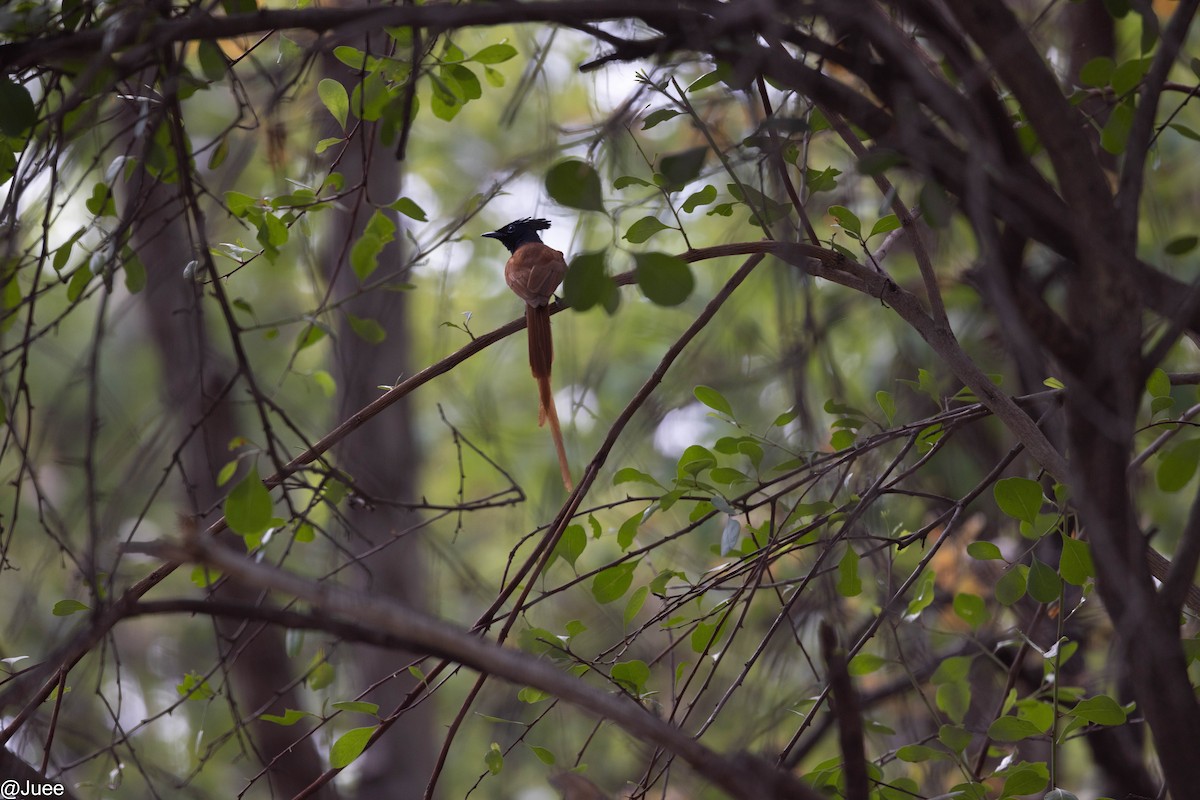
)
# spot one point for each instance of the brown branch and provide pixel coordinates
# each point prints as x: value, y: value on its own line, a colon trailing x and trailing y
x: 742, y: 776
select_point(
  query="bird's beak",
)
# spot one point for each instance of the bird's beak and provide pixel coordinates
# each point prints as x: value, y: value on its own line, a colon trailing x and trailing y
x: 492, y: 235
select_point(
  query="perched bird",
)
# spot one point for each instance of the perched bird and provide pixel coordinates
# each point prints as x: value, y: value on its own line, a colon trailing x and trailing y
x: 533, y: 272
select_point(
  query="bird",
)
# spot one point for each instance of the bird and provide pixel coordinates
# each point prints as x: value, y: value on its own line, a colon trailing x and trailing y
x: 534, y: 270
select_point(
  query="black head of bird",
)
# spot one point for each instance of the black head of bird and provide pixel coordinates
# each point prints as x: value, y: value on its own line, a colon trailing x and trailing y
x: 519, y: 232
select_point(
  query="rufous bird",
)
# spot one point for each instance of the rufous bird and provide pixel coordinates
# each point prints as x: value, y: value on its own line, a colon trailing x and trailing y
x: 533, y: 272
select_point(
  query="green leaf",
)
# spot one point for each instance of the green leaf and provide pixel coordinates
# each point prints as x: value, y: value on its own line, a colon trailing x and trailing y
x: 713, y: 399
x: 248, y: 508
x: 1011, y: 586
x: 847, y: 219
x: 951, y: 670
x: 575, y: 184
x: 682, y: 168
x: 571, y: 544
x: 722, y: 72
x: 101, y: 203
x: 922, y: 597
x: 410, y: 209
x: 659, y: 116
x: 694, y: 460
x: 290, y: 717
x: 1181, y: 245
x: 1012, y: 729
x: 239, y: 203
x: 530, y: 695
x: 587, y: 283
x: 631, y: 675
x: 1101, y: 709
x: 494, y: 54
x: 643, y: 229
x: 865, y: 664
x: 494, y: 759
x: 884, y: 225
x: 635, y: 603
x: 954, y: 737
x: 700, y: 198
x: 1044, y: 583
x: 849, y: 584
x: 612, y: 583
x: 17, y: 112
x: 1075, y: 564
x: 1019, y: 498
x: 705, y: 635
x: 65, y: 608
x: 1177, y: 466
x: 349, y: 746
x: 358, y: 706
x: 1097, y: 72
x: 364, y: 255
x: 664, y: 279
x: 1115, y: 133
x: 626, y: 181
x: 984, y: 551
x: 194, y: 687
x: 135, y: 271
x: 1128, y: 75
x: 971, y: 609
x: 954, y: 699
x: 887, y: 405
x: 543, y: 755
x: 335, y: 98
x: 631, y: 475
x: 367, y: 329
x: 916, y: 753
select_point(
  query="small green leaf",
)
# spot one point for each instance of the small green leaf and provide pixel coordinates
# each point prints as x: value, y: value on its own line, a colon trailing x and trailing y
x: 659, y: 116
x: 713, y: 399
x: 494, y: 759
x: 1101, y: 709
x: 664, y: 279
x: 367, y: 329
x: 1019, y: 498
x: 248, y: 508
x: 635, y: 603
x: 409, y: 208
x: 887, y: 404
x: 530, y: 695
x: 65, y: 608
x: 1044, y: 583
x: 194, y: 687
x: 1097, y: 72
x: 543, y: 755
x: 884, y: 225
x: 571, y: 545
x: 984, y: 551
x: 705, y: 635
x: 922, y: 597
x: 17, y: 112
x: 612, y: 583
x: 587, y: 283
x: 290, y: 717
x: 575, y: 184
x: 954, y: 699
x: 358, y: 706
x: 1181, y: 245
x: 971, y: 609
x: 334, y: 96
x: 865, y: 664
x: 631, y: 675
x: 916, y: 753
x: 682, y: 168
x: 1011, y: 586
x: 1075, y: 564
x: 1012, y: 729
x: 1177, y: 466
x: 349, y: 746
x: 1115, y: 133
x: 849, y: 584
x: 494, y: 54
x: 643, y: 229
x: 954, y: 737
x: 847, y: 219
x: 700, y: 198
x: 631, y: 475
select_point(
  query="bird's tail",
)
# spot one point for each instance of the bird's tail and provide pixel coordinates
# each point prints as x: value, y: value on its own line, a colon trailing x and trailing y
x: 541, y: 357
